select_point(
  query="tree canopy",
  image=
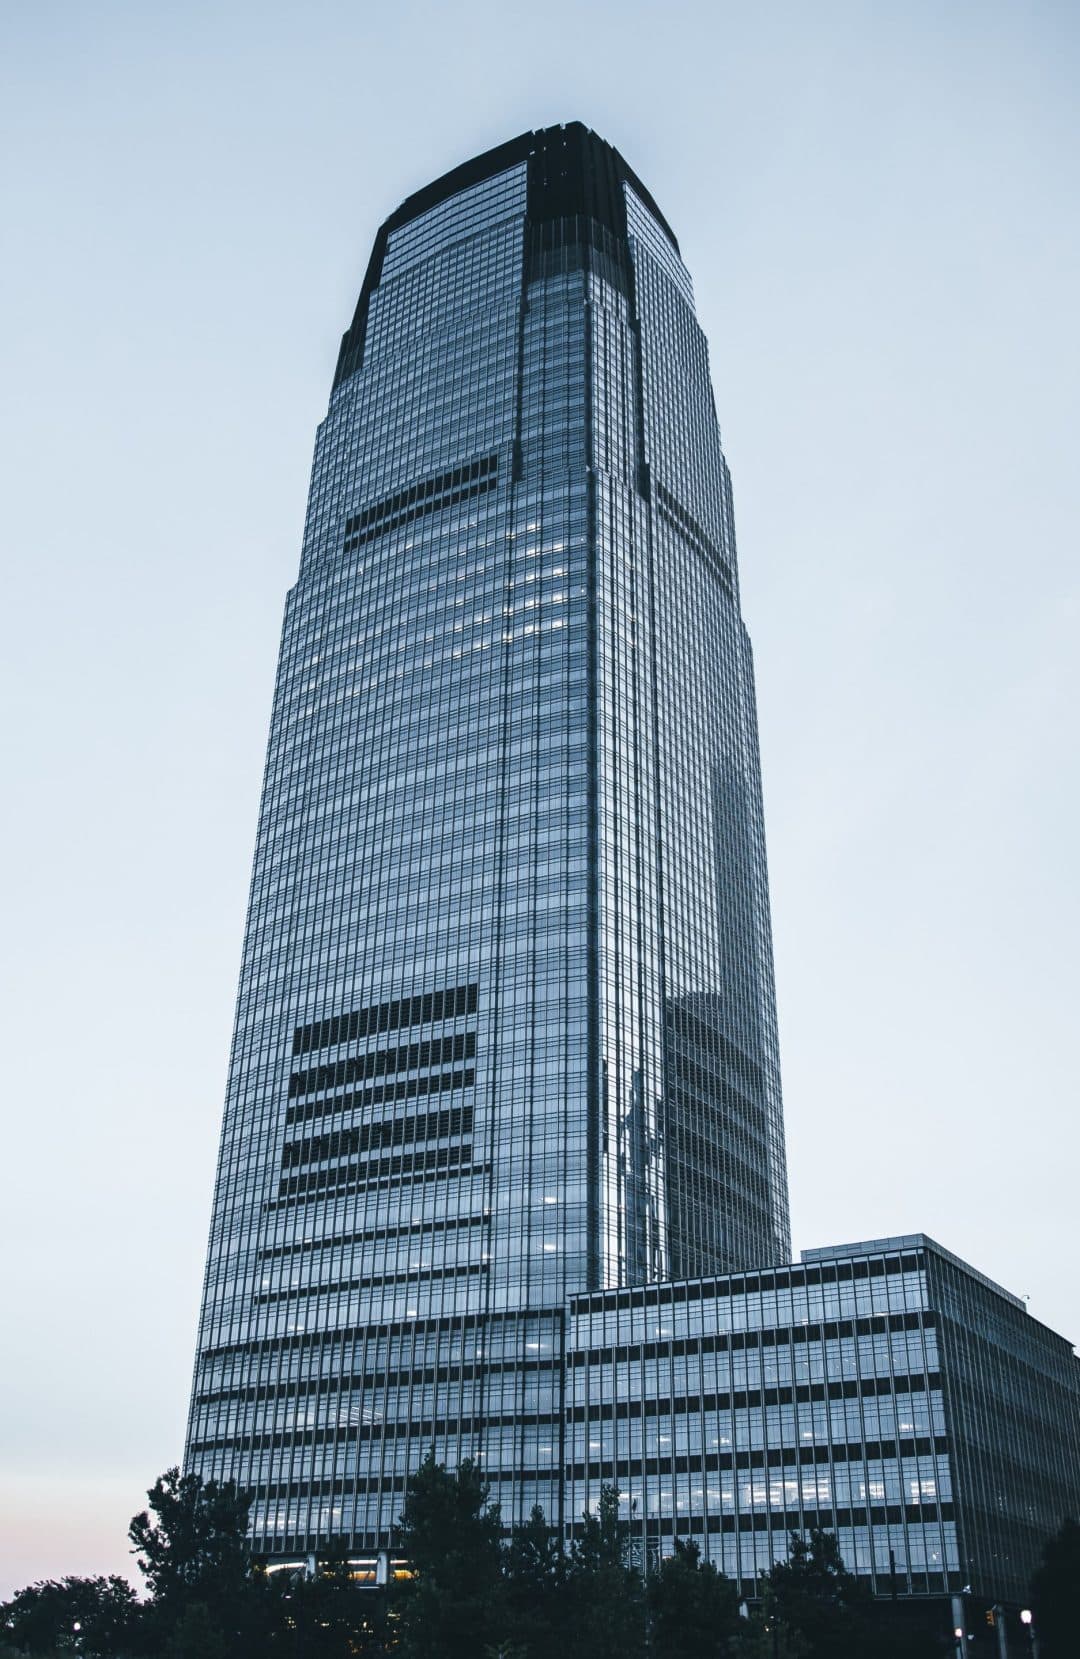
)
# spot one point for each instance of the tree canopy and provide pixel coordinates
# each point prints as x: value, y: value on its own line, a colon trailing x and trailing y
x: 195, y: 1547
x: 693, y: 1608
x: 817, y: 1607
x: 91, y: 1616
x: 535, y: 1569
x: 453, y: 1605
x: 472, y: 1593
x: 1054, y: 1593
x: 606, y: 1592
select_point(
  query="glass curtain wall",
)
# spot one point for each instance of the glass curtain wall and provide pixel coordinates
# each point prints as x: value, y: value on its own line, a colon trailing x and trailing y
x: 505, y: 1027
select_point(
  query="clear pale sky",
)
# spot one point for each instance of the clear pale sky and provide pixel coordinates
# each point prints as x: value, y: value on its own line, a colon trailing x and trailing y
x: 878, y: 204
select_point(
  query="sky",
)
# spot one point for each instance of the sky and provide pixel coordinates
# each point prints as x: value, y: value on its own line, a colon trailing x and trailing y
x: 878, y: 206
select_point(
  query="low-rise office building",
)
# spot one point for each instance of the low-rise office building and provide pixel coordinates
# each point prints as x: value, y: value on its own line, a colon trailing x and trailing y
x: 885, y: 1391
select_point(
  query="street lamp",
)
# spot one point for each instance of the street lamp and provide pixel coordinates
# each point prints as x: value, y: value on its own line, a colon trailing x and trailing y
x: 1027, y: 1619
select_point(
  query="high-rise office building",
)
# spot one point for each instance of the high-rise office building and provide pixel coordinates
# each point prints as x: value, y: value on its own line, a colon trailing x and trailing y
x: 502, y: 1167
x: 506, y: 1027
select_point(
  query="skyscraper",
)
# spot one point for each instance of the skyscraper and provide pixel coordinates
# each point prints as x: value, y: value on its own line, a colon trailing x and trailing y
x: 502, y: 1168
x: 506, y: 1028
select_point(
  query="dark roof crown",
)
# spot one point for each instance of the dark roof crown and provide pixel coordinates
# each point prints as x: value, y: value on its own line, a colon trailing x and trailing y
x: 571, y: 173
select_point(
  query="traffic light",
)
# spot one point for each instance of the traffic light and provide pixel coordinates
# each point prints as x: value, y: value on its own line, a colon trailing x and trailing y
x: 989, y: 1617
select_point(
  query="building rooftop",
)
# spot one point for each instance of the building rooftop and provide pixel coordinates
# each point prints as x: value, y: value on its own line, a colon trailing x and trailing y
x: 908, y: 1241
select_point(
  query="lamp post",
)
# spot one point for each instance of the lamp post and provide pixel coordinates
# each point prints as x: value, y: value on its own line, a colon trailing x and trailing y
x: 1027, y: 1619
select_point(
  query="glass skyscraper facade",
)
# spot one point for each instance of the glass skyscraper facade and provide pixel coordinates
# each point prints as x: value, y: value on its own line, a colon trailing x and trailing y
x: 505, y: 1038
x: 506, y: 1026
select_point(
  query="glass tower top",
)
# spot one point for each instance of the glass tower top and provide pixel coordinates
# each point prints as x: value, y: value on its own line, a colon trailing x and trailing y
x: 506, y: 1027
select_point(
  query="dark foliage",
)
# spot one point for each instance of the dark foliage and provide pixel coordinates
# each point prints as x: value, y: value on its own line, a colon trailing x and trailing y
x: 535, y: 1569
x: 813, y: 1607
x: 693, y: 1609
x: 96, y: 1617
x: 1055, y: 1593
x: 470, y: 1596
x: 326, y: 1616
x: 192, y: 1549
x: 196, y: 1634
x: 605, y: 1600
x: 195, y: 1548
x: 454, y: 1605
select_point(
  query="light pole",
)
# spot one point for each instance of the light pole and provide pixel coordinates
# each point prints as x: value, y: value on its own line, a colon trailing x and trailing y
x: 1027, y: 1619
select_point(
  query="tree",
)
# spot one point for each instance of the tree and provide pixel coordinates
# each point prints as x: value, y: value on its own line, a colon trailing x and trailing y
x: 96, y: 1617
x: 1054, y: 1593
x: 192, y: 1549
x: 195, y: 1548
x: 606, y: 1598
x: 813, y: 1607
x: 536, y: 1585
x: 693, y: 1608
x: 453, y: 1606
x: 327, y: 1616
x: 196, y: 1635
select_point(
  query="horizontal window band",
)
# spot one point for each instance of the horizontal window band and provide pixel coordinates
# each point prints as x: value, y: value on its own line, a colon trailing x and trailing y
x: 378, y: 1281
x: 439, y: 1325
x: 381, y: 1180
x: 452, y: 500
x: 373, y: 1235
x: 440, y: 483
x: 777, y: 1519
x: 436, y: 1051
x: 750, y: 1399
x: 366, y: 1137
x: 396, y: 1014
x: 762, y: 1460
x: 408, y: 1428
x: 380, y: 1094
x: 767, y: 1281
x: 390, y: 1482
x: 776, y: 1336
x: 401, y: 1164
x: 676, y: 515
x: 468, y: 1371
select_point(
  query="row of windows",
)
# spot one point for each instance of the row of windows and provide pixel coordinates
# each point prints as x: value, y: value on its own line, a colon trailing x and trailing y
x: 438, y: 484
x: 357, y: 1175
x: 797, y: 1520
x: 793, y: 1278
x: 378, y: 1281
x: 444, y: 1326
x: 389, y: 1132
x: 778, y: 1336
x: 779, y: 1457
x: 376, y: 1483
x: 394, y: 1015
x: 383, y: 1184
x: 425, y: 500
x: 366, y: 1382
x: 688, y: 527
x: 411, y: 1088
x: 371, y: 1235
x: 802, y: 1393
x: 434, y: 1052
x: 409, y: 1428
